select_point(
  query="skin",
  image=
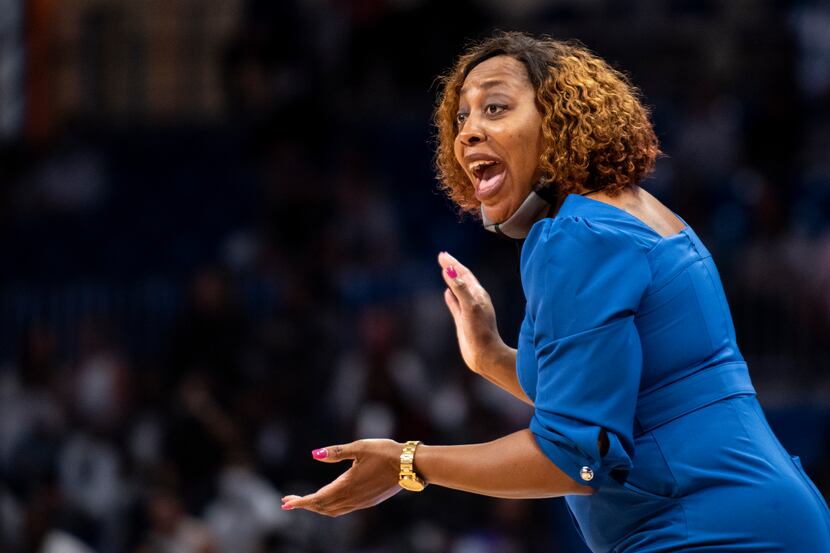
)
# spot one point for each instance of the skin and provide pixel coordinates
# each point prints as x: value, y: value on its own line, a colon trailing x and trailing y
x: 645, y: 207
x: 512, y: 466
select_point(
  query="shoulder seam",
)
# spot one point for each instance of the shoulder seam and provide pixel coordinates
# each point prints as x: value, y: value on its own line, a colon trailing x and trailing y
x: 640, y: 248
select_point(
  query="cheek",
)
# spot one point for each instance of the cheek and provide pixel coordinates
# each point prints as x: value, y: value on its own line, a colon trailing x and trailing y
x: 533, y: 140
x: 457, y: 150
x: 527, y: 146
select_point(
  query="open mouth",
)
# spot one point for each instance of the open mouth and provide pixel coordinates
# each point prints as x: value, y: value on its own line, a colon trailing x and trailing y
x: 489, y: 176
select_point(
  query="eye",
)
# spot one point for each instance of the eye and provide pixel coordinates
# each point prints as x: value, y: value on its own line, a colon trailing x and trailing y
x: 494, y: 109
x: 460, y: 117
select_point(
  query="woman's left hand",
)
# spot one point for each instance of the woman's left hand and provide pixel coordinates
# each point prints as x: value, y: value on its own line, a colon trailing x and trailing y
x: 372, y: 478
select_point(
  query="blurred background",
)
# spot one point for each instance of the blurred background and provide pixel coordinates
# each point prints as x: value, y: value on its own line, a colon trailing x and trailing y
x: 218, y: 230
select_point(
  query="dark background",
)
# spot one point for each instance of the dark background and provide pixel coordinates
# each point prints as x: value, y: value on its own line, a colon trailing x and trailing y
x: 218, y: 230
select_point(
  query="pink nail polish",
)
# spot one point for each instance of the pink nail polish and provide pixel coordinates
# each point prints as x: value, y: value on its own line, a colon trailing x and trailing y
x: 451, y: 272
x: 320, y: 453
x: 287, y: 508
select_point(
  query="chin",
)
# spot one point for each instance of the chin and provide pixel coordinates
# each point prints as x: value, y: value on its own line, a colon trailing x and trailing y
x: 497, y: 213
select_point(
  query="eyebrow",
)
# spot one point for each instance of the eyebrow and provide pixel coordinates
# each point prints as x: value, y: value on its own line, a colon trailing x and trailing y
x: 489, y: 83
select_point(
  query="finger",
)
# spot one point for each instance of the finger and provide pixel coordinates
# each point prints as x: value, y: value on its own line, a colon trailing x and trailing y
x: 322, y: 501
x: 452, y: 303
x: 310, y: 502
x: 457, y: 277
x: 334, y: 453
x: 288, y: 501
x: 458, y: 287
x: 445, y: 260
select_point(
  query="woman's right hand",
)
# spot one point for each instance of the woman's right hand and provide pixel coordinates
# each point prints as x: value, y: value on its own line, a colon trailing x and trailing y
x: 473, y: 314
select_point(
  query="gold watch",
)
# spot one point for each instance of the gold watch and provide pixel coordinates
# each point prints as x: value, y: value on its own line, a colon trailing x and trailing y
x: 408, y: 478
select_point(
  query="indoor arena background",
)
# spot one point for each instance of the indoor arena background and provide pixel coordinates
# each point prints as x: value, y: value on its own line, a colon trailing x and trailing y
x: 218, y: 230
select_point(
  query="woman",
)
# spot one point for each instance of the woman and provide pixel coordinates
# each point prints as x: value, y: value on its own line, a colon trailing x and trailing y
x: 644, y: 413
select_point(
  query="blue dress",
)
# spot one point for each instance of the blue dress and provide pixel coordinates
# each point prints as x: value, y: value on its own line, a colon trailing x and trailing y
x: 629, y: 332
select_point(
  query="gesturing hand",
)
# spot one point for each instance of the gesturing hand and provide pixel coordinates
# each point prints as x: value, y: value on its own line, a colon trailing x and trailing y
x: 472, y: 311
x: 372, y: 478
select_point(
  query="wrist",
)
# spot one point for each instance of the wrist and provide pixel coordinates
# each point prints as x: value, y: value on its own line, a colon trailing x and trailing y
x: 495, y: 355
x: 392, y: 457
x: 409, y: 478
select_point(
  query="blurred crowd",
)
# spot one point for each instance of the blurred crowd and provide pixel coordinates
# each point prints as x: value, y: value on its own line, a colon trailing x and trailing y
x: 201, y: 287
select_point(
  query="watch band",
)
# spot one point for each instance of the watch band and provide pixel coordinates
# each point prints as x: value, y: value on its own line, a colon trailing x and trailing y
x: 408, y: 478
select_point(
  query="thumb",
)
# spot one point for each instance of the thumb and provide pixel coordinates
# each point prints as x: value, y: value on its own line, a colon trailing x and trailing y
x: 334, y: 453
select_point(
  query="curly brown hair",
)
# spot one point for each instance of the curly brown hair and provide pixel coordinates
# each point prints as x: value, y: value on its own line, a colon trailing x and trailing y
x: 597, y: 133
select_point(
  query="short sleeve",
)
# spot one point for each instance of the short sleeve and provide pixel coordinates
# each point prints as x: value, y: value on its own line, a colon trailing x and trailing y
x: 583, y: 282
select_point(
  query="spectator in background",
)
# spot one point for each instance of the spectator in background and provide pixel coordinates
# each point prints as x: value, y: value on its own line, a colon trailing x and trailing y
x: 172, y: 530
x: 210, y: 336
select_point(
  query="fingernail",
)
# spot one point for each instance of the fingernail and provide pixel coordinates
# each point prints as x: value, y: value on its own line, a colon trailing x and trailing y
x: 320, y: 453
x: 451, y: 272
x: 287, y: 508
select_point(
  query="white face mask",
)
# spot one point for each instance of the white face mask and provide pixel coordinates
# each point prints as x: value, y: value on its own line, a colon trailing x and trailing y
x: 517, y: 226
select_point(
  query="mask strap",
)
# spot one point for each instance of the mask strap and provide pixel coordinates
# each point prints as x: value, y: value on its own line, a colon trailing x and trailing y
x: 537, y: 204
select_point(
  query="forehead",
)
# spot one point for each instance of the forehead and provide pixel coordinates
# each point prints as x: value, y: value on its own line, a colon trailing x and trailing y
x: 498, y: 70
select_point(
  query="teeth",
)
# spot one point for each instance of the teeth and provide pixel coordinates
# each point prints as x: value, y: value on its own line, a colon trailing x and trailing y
x: 477, y: 166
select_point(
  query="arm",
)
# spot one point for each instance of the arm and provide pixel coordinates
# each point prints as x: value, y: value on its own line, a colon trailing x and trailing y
x: 501, y: 371
x: 482, y: 349
x: 509, y: 467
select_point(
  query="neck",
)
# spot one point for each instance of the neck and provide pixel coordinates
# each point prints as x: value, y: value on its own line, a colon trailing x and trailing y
x: 540, y: 203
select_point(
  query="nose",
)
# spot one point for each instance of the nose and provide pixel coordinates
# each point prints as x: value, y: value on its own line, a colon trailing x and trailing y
x: 471, y: 134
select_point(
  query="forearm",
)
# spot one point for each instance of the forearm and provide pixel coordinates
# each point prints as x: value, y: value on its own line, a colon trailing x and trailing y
x: 510, y: 467
x: 500, y: 368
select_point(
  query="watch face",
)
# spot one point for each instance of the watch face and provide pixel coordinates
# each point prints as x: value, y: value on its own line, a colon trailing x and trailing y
x: 411, y: 484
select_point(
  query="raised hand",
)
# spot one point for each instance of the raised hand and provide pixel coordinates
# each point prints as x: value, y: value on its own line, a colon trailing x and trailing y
x: 473, y: 314
x: 372, y: 478
x: 483, y: 350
